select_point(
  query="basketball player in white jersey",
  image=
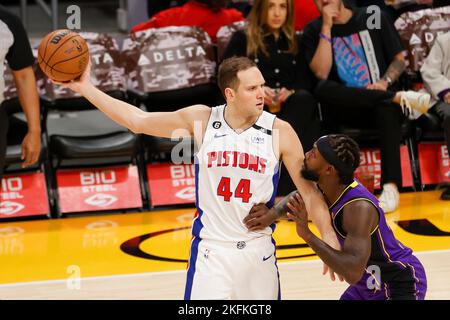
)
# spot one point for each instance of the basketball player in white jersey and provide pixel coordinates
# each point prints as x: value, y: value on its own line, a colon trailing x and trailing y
x: 236, y: 167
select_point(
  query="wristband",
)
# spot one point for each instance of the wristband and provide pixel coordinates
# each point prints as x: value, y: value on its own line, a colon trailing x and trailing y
x: 324, y: 36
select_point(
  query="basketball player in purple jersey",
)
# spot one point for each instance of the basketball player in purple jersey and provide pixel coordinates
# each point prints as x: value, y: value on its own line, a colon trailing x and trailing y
x: 372, y: 260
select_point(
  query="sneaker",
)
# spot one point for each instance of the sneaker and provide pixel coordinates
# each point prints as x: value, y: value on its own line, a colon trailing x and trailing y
x: 414, y: 104
x: 389, y: 198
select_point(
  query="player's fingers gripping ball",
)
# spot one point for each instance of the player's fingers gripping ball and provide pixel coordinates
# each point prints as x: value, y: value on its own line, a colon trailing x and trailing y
x: 63, y: 55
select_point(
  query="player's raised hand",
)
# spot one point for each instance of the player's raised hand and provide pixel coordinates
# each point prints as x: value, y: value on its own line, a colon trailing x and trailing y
x: 298, y: 213
x: 78, y: 84
x: 259, y: 217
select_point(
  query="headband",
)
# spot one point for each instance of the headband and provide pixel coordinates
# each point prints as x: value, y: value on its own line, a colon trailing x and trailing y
x: 325, y: 149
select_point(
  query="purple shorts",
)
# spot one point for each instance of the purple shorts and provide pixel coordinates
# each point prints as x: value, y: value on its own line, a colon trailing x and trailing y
x: 408, y: 284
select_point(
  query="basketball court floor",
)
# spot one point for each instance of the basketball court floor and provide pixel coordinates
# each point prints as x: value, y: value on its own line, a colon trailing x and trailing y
x: 144, y: 255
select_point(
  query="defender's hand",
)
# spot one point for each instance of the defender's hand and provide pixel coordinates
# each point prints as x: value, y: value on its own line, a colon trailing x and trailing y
x: 259, y: 217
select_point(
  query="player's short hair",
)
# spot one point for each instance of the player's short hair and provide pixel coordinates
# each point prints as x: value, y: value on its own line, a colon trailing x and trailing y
x: 229, y: 69
x: 347, y: 150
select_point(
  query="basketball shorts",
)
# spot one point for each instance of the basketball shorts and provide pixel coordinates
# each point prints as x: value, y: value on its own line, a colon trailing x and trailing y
x: 232, y: 270
x: 408, y: 284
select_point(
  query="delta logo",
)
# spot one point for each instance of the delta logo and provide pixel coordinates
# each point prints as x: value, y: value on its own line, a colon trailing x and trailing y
x: 101, y: 200
x: 8, y: 208
x: 186, y: 193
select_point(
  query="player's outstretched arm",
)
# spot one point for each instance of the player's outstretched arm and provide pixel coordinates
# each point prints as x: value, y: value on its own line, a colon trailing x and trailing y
x: 291, y: 153
x: 161, y: 124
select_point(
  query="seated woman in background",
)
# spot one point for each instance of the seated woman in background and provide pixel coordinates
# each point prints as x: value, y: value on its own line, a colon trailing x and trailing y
x: 270, y: 40
x: 209, y: 15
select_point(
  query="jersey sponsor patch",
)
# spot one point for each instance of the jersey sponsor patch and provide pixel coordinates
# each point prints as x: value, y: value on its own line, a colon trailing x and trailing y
x: 258, y: 140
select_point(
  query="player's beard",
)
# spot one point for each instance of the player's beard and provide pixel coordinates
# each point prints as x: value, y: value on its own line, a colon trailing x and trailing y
x: 309, y: 174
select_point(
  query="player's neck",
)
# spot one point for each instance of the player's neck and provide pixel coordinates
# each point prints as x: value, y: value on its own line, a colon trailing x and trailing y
x: 237, y: 120
x: 331, y: 190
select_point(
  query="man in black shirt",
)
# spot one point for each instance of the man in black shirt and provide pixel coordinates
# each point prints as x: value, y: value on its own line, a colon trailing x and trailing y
x: 357, y: 55
x: 15, y: 48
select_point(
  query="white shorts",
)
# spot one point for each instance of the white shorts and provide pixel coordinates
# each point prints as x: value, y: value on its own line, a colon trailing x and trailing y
x: 232, y: 270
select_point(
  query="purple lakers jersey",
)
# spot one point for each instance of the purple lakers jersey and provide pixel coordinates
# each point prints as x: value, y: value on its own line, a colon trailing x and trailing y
x: 389, y: 254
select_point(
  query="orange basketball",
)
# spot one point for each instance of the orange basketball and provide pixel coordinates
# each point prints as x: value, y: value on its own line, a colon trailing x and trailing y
x: 63, y: 55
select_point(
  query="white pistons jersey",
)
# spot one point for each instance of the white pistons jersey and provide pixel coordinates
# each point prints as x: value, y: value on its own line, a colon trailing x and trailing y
x: 234, y: 171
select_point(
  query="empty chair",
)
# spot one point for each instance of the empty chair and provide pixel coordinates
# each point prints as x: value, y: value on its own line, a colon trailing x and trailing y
x: 21, y: 186
x: 81, y: 136
x: 224, y: 36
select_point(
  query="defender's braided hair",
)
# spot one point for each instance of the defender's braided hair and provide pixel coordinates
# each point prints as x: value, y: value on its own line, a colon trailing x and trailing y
x: 347, y: 151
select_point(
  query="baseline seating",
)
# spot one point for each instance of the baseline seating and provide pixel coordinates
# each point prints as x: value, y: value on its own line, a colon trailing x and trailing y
x: 97, y: 141
x: 418, y: 31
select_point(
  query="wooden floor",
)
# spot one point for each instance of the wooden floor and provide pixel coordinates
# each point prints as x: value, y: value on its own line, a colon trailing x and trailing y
x: 142, y: 256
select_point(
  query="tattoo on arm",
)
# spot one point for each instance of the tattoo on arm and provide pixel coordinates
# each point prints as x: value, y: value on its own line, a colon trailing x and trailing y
x: 395, y: 70
x: 281, y: 207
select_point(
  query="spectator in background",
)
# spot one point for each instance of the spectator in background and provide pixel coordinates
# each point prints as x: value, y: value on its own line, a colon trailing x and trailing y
x: 270, y: 40
x: 436, y: 77
x: 155, y: 6
x: 15, y: 48
x: 209, y: 15
x: 441, y: 3
x: 356, y: 66
x: 398, y: 7
x: 382, y: 4
x: 243, y: 6
x: 305, y: 12
x: 394, y: 8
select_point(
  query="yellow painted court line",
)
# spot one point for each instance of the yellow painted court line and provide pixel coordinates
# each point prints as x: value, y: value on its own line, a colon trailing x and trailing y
x: 118, y: 276
x: 46, y: 248
x: 146, y: 274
